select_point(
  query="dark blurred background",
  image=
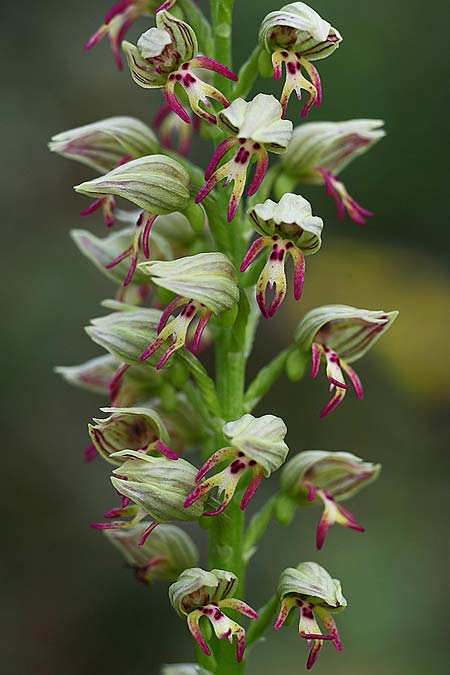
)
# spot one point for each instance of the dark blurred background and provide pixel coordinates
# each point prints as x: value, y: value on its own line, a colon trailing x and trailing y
x: 69, y: 606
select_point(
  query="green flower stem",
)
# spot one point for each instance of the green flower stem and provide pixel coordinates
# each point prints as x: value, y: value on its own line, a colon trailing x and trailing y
x: 265, y: 379
x: 266, y: 617
x: 257, y: 527
x: 247, y: 74
x: 222, y: 14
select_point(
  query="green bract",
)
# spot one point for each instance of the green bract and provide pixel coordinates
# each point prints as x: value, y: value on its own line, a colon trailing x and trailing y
x: 157, y: 485
x: 207, y: 278
x: 340, y: 474
x: 169, y: 551
x: 300, y: 29
x: 291, y: 218
x: 196, y: 587
x: 346, y: 330
x: 328, y: 145
x: 157, y: 184
x: 260, y: 439
x: 313, y: 583
x: 259, y: 120
x: 102, y: 145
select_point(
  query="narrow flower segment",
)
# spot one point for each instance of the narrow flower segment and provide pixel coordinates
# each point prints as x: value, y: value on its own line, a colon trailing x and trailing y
x: 257, y: 128
x: 167, y: 56
x: 204, y: 284
x: 319, y: 151
x: 317, y: 477
x: 287, y: 228
x: 120, y: 19
x: 163, y: 556
x: 200, y: 594
x: 310, y: 588
x: 294, y: 36
x: 157, y: 184
x: 256, y: 444
x: 342, y: 335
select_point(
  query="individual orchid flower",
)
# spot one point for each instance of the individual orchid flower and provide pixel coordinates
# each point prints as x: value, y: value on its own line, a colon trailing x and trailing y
x: 319, y: 151
x: 163, y: 556
x: 256, y: 445
x: 295, y: 35
x: 150, y: 486
x: 137, y: 428
x: 204, y: 284
x: 120, y: 19
x: 257, y: 128
x: 310, y: 588
x: 286, y: 228
x: 317, y: 477
x: 342, y: 334
x: 159, y: 185
x: 199, y: 594
x: 175, y: 134
x: 166, y: 56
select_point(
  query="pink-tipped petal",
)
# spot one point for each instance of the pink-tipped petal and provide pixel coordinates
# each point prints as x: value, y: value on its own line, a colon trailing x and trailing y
x: 95, y: 206
x: 313, y: 654
x: 116, y: 382
x: 128, y: 251
x: 356, y: 382
x: 174, y: 103
x: 144, y: 536
x: 215, y: 459
x: 253, y: 252
x: 171, y: 307
x: 262, y: 163
x: 90, y: 453
x: 316, y: 353
x: 211, y: 64
x: 299, y: 271
x: 145, y: 236
x: 203, y: 322
x: 165, y: 450
x: 194, y: 628
x: 250, y: 491
x: 132, y: 269
x: 218, y: 155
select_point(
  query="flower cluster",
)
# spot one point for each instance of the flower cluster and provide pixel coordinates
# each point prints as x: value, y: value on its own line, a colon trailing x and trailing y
x: 194, y: 267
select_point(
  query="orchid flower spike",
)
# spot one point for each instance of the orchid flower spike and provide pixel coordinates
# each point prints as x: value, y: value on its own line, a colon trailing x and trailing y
x: 119, y: 20
x: 137, y: 428
x: 295, y: 35
x: 341, y: 334
x: 286, y: 228
x: 158, y: 184
x: 317, y: 477
x: 167, y: 55
x: 319, y: 151
x: 256, y: 445
x: 150, y: 486
x: 200, y: 594
x: 204, y: 284
x: 163, y: 556
x: 310, y: 588
x: 257, y: 128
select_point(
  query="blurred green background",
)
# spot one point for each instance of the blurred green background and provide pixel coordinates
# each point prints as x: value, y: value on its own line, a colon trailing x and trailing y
x: 69, y: 606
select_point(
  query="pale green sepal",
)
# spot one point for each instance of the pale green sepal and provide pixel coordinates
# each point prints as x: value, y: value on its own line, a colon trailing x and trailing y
x: 93, y: 375
x: 197, y: 587
x: 207, y: 278
x: 103, y: 144
x: 341, y: 474
x: 158, y: 485
x: 156, y: 183
x: 330, y: 146
x: 348, y: 331
x: 260, y: 438
x: 259, y: 120
x: 311, y: 581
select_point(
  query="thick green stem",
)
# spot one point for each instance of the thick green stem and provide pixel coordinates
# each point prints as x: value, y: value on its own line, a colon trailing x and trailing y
x: 221, y: 15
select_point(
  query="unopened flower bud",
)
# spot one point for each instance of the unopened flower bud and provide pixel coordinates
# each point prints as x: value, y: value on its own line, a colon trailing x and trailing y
x: 257, y: 128
x: 341, y: 334
x: 198, y: 593
x: 317, y: 477
x: 319, y: 151
x: 287, y: 227
x: 162, y: 557
x: 105, y: 144
x: 130, y: 429
x: 310, y: 588
x: 204, y: 284
x: 94, y: 375
x: 157, y: 184
x: 295, y: 35
x: 256, y: 444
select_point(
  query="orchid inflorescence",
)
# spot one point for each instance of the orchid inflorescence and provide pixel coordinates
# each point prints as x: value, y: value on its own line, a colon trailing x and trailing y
x: 190, y: 276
